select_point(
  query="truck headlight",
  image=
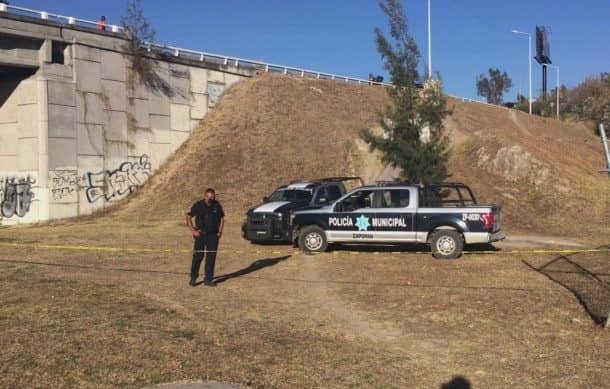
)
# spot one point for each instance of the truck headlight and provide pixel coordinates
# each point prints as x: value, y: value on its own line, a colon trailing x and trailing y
x: 279, y: 215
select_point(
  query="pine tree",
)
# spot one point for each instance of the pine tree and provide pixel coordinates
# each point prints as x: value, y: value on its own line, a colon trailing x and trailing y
x: 411, y: 110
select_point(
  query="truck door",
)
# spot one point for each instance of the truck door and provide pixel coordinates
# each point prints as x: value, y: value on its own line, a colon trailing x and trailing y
x: 347, y: 219
x: 392, y: 215
x: 373, y: 215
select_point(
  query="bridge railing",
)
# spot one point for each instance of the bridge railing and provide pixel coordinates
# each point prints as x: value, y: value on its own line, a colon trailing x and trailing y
x: 188, y: 53
x: 202, y: 55
x: 469, y: 100
x: 253, y: 64
x: 44, y: 15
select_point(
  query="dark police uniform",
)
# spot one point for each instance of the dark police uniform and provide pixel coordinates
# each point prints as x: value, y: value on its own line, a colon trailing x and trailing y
x: 207, y: 221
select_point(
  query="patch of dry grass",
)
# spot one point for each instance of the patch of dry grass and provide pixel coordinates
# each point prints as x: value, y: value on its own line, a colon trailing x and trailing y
x: 586, y: 275
x: 336, y: 320
x: 65, y: 333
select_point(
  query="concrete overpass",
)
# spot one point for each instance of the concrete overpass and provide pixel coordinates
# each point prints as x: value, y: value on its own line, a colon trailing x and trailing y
x: 77, y: 132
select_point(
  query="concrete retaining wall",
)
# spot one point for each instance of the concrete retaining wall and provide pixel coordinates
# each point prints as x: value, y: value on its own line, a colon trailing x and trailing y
x: 80, y: 134
x: 19, y: 141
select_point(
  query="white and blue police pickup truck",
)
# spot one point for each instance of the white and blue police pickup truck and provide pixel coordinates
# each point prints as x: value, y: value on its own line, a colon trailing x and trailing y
x: 270, y: 221
x: 445, y: 216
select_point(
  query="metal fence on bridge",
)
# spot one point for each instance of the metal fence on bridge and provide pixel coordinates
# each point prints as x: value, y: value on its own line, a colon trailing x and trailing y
x: 202, y: 56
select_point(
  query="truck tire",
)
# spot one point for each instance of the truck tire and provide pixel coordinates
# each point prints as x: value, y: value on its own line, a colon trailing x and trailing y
x: 446, y: 244
x: 312, y: 239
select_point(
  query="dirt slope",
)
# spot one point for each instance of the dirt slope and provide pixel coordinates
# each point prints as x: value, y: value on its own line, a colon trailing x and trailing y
x: 272, y: 129
x: 266, y: 131
x: 543, y: 171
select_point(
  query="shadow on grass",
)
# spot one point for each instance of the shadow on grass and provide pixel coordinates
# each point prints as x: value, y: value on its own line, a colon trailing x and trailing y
x: 572, y: 271
x: 254, y: 266
x: 402, y: 247
x: 381, y: 248
x: 263, y: 263
x: 271, y: 243
x: 458, y: 382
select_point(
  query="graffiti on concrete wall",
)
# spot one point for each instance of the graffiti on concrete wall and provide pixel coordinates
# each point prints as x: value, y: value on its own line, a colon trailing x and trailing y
x: 64, y: 183
x: 117, y: 183
x: 16, y: 196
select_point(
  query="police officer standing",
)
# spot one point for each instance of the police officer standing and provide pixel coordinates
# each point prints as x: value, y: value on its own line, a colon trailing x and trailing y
x: 209, y: 222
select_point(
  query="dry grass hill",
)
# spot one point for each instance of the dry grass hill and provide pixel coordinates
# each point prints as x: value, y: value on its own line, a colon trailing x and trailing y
x: 543, y: 171
x: 272, y: 129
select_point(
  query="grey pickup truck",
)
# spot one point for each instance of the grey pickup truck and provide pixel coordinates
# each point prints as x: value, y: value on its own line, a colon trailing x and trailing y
x: 446, y: 216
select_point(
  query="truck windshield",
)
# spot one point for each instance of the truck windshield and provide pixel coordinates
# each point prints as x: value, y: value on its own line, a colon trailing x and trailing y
x: 298, y: 195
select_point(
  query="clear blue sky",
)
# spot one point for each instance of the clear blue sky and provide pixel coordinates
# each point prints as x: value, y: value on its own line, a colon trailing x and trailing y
x: 468, y: 36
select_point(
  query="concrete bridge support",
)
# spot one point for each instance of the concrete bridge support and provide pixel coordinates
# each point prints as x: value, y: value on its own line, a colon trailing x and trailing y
x: 77, y: 130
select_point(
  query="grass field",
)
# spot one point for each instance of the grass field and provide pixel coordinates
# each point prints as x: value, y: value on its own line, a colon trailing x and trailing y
x: 283, y: 319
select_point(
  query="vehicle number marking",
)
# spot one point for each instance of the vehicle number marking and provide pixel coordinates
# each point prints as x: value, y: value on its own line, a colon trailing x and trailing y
x: 473, y: 217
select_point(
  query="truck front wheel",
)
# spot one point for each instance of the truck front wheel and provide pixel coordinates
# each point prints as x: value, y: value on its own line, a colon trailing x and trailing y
x: 446, y: 244
x: 312, y: 239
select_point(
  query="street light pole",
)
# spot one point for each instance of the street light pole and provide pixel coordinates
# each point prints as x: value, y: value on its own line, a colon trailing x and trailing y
x: 529, y: 56
x: 429, y: 44
x: 557, y: 88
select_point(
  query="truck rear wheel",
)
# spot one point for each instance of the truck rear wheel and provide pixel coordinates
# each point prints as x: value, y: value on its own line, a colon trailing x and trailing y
x: 312, y: 239
x: 446, y: 244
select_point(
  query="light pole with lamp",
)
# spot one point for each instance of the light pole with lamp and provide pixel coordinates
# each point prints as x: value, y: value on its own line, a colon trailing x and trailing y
x: 529, y: 37
x: 429, y: 45
x: 557, y: 89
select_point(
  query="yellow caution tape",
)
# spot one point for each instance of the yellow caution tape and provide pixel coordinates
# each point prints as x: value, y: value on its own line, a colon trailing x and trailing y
x: 287, y: 252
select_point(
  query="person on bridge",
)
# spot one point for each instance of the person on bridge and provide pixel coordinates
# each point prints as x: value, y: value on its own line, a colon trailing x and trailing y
x: 101, y: 24
x: 207, y: 230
